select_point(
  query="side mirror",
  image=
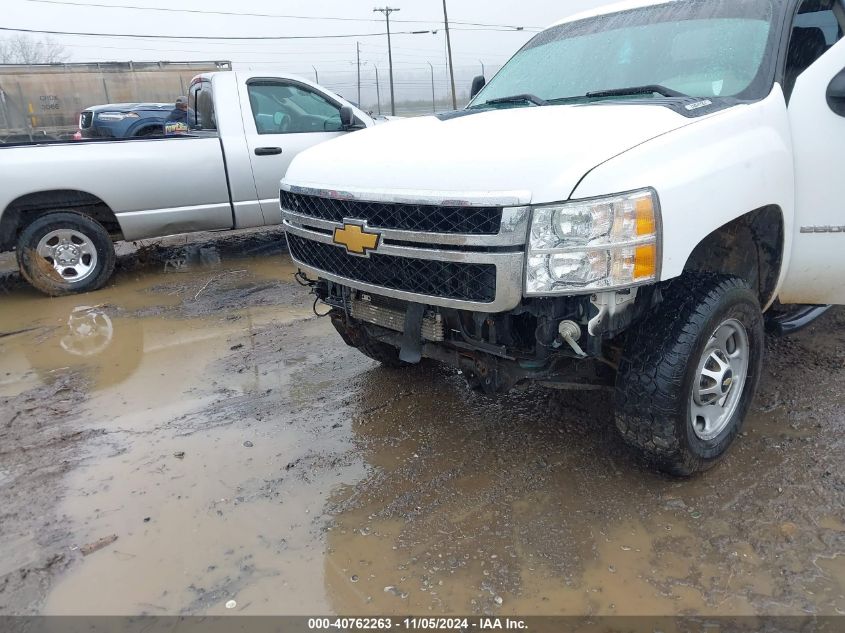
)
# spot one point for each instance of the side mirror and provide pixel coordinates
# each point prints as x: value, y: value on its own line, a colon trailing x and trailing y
x: 477, y: 84
x: 836, y: 94
x: 348, y: 120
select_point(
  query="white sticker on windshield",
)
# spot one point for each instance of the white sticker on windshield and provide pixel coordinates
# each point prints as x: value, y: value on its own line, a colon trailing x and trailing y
x: 718, y: 86
x: 698, y: 104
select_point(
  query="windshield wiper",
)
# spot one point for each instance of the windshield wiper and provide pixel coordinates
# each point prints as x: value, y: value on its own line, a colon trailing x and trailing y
x: 636, y: 90
x: 523, y: 98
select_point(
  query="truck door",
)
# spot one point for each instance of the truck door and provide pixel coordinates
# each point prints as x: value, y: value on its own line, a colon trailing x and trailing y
x: 281, y: 119
x: 815, y: 86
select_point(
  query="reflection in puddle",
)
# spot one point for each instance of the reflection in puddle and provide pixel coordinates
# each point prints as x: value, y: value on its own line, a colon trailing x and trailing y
x: 90, y: 331
x: 40, y: 336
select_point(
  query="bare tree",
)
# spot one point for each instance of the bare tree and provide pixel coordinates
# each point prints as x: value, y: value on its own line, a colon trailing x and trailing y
x: 22, y: 49
x: 5, y: 52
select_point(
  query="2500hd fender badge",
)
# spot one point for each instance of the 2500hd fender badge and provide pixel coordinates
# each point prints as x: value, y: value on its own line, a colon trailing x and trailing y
x: 823, y: 229
x: 357, y: 238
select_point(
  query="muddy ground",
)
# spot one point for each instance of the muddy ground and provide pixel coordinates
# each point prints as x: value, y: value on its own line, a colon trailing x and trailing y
x: 193, y: 435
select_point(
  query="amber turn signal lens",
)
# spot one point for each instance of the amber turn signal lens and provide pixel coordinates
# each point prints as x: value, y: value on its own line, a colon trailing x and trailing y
x: 645, y: 262
x: 646, y: 223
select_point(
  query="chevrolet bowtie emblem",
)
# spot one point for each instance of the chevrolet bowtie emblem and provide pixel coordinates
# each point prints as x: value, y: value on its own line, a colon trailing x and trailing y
x: 356, y: 239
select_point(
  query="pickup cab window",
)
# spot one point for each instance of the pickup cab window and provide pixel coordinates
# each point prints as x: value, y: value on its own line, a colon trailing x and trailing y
x: 700, y: 49
x: 818, y: 25
x: 286, y: 108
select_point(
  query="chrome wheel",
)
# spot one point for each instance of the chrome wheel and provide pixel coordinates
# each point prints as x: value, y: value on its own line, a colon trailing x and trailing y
x: 719, y: 380
x: 70, y: 253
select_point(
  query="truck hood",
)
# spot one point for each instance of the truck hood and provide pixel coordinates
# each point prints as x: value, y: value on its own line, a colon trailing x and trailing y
x: 131, y: 107
x: 538, y: 153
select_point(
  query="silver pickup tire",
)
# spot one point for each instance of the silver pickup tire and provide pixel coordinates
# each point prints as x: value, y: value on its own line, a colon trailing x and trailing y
x: 689, y: 374
x: 65, y: 252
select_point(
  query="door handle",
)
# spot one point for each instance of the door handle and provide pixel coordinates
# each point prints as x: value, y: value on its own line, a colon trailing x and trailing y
x: 268, y: 151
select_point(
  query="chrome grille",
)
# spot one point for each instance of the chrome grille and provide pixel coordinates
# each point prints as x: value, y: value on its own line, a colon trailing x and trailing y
x: 459, y: 281
x: 402, y: 217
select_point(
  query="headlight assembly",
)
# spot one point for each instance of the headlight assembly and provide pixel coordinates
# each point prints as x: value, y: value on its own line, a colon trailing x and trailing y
x: 598, y: 244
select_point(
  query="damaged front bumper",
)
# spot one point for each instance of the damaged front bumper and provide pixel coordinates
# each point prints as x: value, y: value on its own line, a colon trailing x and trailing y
x: 495, y: 352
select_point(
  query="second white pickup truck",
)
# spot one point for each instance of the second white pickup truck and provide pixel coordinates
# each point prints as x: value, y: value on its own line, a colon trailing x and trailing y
x: 63, y: 204
x: 616, y: 208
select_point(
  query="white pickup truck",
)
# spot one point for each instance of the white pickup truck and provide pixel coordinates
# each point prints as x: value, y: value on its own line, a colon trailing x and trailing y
x: 63, y: 204
x: 615, y: 209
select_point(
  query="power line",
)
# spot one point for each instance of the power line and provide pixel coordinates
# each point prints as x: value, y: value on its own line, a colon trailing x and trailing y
x: 198, y: 11
x: 212, y: 37
x: 318, y: 59
x: 261, y: 15
x: 341, y: 51
x: 518, y: 29
x: 339, y: 54
x: 428, y: 50
x: 329, y: 56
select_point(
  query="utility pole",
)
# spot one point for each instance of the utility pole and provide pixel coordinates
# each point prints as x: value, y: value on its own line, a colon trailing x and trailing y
x: 449, y: 50
x: 386, y: 11
x: 358, y: 50
x: 316, y: 75
x: 433, y: 100
x: 378, y: 90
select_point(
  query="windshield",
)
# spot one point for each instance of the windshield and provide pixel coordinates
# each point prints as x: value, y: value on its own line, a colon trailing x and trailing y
x: 714, y: 48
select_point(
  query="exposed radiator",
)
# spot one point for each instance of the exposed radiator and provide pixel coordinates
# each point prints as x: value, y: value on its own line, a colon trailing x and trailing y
x: 367, y: 311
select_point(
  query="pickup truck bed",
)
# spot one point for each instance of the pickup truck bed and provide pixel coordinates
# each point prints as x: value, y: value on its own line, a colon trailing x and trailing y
x: 149, y: 196
x: 62, y: 204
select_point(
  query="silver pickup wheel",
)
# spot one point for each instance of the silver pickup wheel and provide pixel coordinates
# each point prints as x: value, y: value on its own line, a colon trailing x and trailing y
x: 689, y: 373
x: 71, y: 254
x: 65, y: 253
x: 719, y: 380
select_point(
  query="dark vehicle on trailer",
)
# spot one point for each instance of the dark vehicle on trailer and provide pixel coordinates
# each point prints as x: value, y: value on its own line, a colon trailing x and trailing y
x: 124, y: 120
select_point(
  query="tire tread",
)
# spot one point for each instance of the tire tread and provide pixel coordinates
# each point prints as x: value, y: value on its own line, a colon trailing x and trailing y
x: 650, y: 394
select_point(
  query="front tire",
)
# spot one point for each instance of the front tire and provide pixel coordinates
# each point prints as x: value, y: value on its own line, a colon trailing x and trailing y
x: 65, y: 253
x: 690, y: 371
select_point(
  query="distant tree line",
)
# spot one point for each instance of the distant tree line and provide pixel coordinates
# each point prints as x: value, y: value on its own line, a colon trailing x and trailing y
x: 22, y: 49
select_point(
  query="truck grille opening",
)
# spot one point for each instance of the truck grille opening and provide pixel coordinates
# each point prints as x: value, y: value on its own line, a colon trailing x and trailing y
x: 399, y: 217
x: 449, y: 280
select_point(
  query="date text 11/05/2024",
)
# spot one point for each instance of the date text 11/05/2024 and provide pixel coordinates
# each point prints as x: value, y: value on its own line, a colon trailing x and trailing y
x: 429, y: 624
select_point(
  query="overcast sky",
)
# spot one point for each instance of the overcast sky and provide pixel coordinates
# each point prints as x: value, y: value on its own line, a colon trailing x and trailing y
x: 334, y: 58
